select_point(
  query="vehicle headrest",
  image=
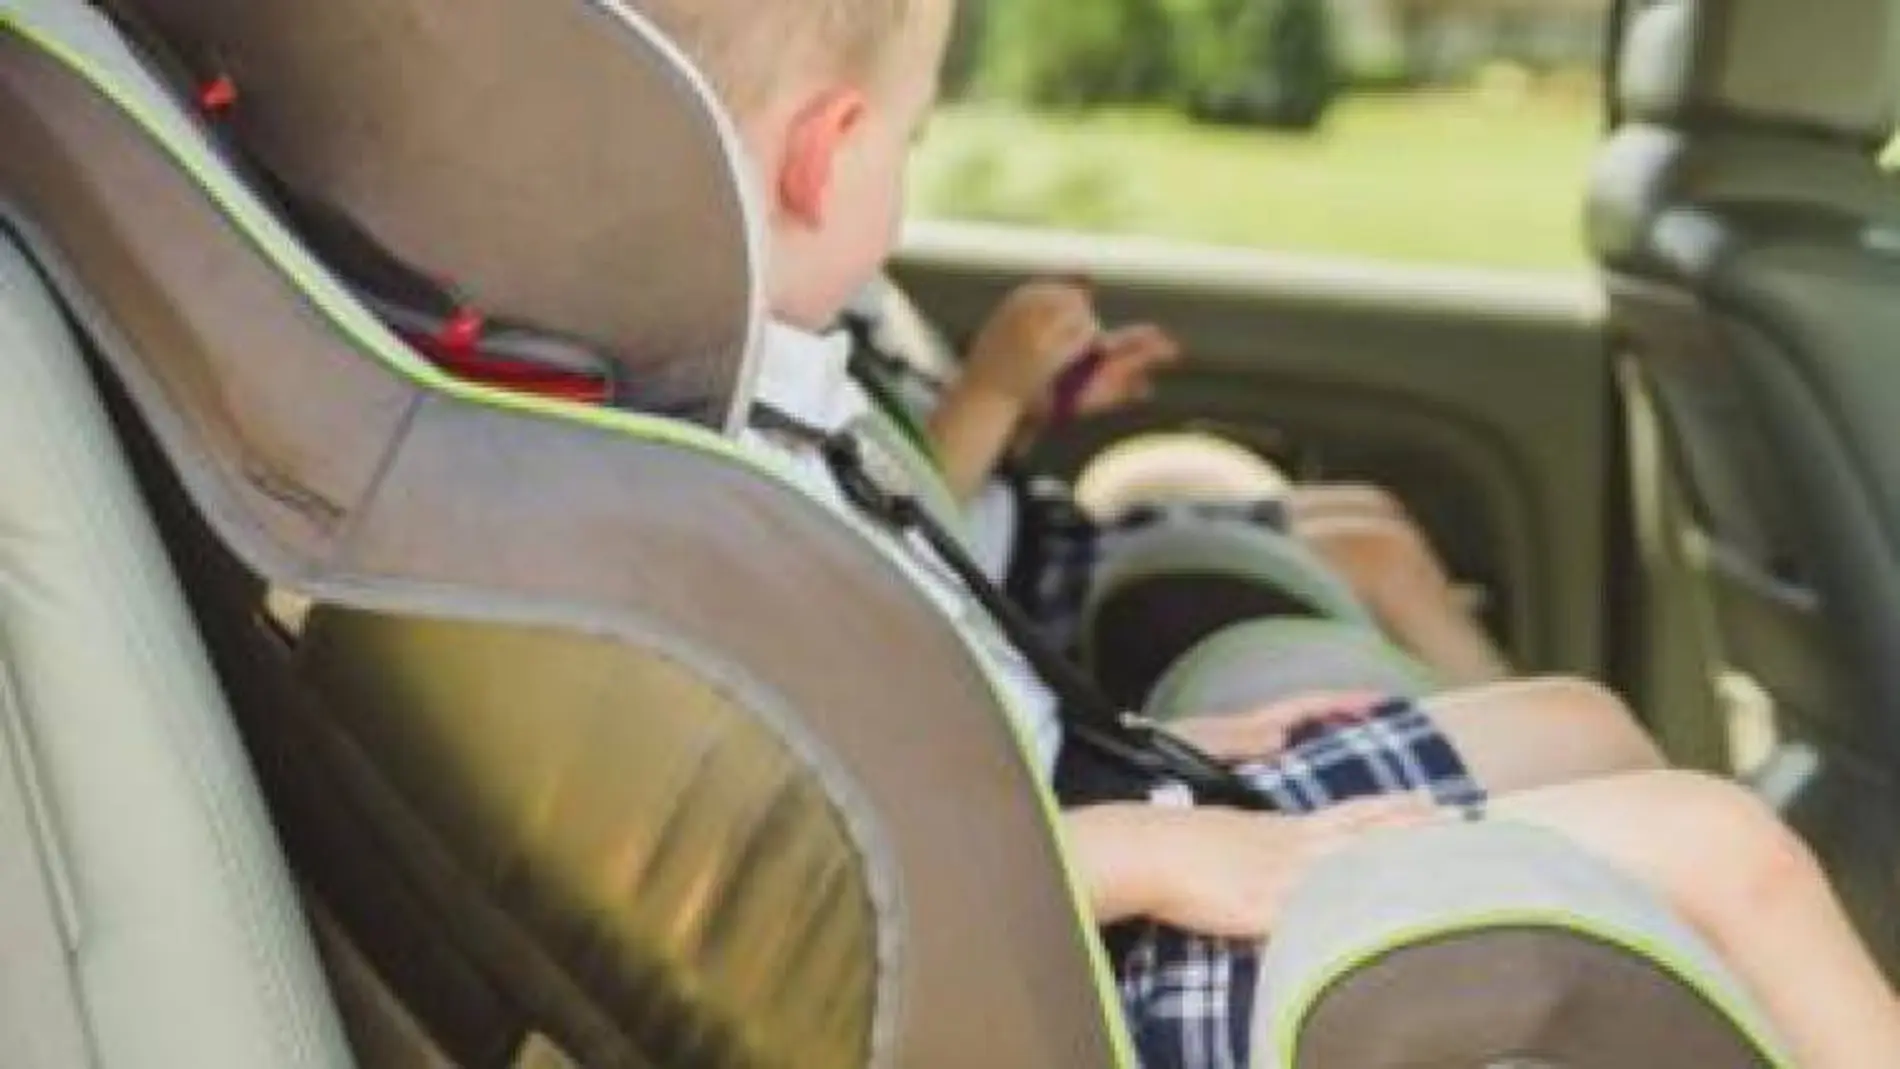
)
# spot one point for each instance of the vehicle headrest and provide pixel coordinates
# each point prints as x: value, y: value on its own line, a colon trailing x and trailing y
x: 533, y: 157
x: 1829, y: 67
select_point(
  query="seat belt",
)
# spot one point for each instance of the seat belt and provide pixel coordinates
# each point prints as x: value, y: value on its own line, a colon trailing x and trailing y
x: 41, y: 1026
x: 1089, y: 718
x: 921, y: 475
x: 879, y: 373
x: 1047, y: 515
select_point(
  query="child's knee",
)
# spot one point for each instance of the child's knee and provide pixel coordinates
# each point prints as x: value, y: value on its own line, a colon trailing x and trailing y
x: 1742, y: 860
x: 1591, y: 711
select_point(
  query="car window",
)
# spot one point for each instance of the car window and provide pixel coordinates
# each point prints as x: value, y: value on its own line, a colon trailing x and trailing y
x: 1432, y: 131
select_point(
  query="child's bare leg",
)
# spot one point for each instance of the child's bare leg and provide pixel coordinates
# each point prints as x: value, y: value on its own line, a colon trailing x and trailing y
x: 1313, y: 503
x: 1739, y: 875
x: 1363, y: 532
x: 1538, y: 733
x: 1322, y: 501
x: 1395, y: 572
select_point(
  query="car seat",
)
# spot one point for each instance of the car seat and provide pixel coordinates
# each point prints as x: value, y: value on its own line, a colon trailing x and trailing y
x: 568, y: 769
x: 1170, y: 575
x: 559, y: 751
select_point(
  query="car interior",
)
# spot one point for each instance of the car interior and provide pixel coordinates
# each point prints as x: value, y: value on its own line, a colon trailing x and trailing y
x: 1621, y: 463
x: 418, y: 828
x: 1746, y: 230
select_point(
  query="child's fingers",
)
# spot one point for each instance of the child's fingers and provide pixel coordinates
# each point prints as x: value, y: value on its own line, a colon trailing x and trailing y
x: 1073, y: 305
x: 1082, y: 335
x: 1045, y: 309
x: 1113, y: 385
x: 1145, y: 344
x: 1123, y: 374
x: 1129, y: 359
x: 1067, y: 316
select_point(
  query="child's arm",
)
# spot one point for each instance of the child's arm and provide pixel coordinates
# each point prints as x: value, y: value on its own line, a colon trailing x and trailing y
x: 1216, y: 872
x: 1040, y: 330
x: 1034, y: 334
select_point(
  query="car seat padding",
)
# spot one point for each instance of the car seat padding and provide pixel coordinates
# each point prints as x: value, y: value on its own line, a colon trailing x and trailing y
x: 592, y: 169
x: 332, y: 461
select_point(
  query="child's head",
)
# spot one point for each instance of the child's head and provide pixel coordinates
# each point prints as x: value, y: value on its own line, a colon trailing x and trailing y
x: 828, y: 95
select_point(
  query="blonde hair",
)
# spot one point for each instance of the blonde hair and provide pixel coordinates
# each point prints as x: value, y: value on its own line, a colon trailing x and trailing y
x: 750, y: 49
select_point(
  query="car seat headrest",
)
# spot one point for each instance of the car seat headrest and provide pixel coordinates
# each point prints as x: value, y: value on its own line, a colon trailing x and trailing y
x: 279, y: 424
x: 1833, y: 68
x: 532, y: 157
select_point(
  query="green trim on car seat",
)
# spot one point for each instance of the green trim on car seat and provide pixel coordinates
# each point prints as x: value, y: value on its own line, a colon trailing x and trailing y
x: 1181, y: 690
x: 313, y: 280
x: 359, y: 328
x: 1287, y: 1028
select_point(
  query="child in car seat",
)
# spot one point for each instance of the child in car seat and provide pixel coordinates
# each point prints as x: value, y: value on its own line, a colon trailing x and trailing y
x: 1043, y: 355
x: 827, y: 97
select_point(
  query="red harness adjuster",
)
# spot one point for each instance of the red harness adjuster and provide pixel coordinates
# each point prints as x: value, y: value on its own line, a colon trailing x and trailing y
x: 461, y: 333
x: 456, y: 347
x: 218, y: 96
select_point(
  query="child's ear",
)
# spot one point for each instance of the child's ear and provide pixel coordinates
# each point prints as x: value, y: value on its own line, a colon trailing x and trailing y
x: 819, y: 133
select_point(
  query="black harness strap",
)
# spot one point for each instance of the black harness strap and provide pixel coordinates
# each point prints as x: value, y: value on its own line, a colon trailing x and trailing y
x: 1131, y: 743
x: 883, y: 373
x: 1047, y: 515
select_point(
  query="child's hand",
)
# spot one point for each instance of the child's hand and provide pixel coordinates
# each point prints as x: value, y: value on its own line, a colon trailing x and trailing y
x: 1036, y: 333
x: 1229, y: 874
x: 1262, y: 734
x: 1130, y: 358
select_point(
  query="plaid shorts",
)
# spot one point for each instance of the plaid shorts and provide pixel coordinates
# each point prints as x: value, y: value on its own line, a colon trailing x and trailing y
x: 1190, y: 999
x: 1053, y: 562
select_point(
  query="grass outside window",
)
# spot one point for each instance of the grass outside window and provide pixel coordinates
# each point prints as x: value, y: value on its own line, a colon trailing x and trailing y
x: 1455, y: 177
